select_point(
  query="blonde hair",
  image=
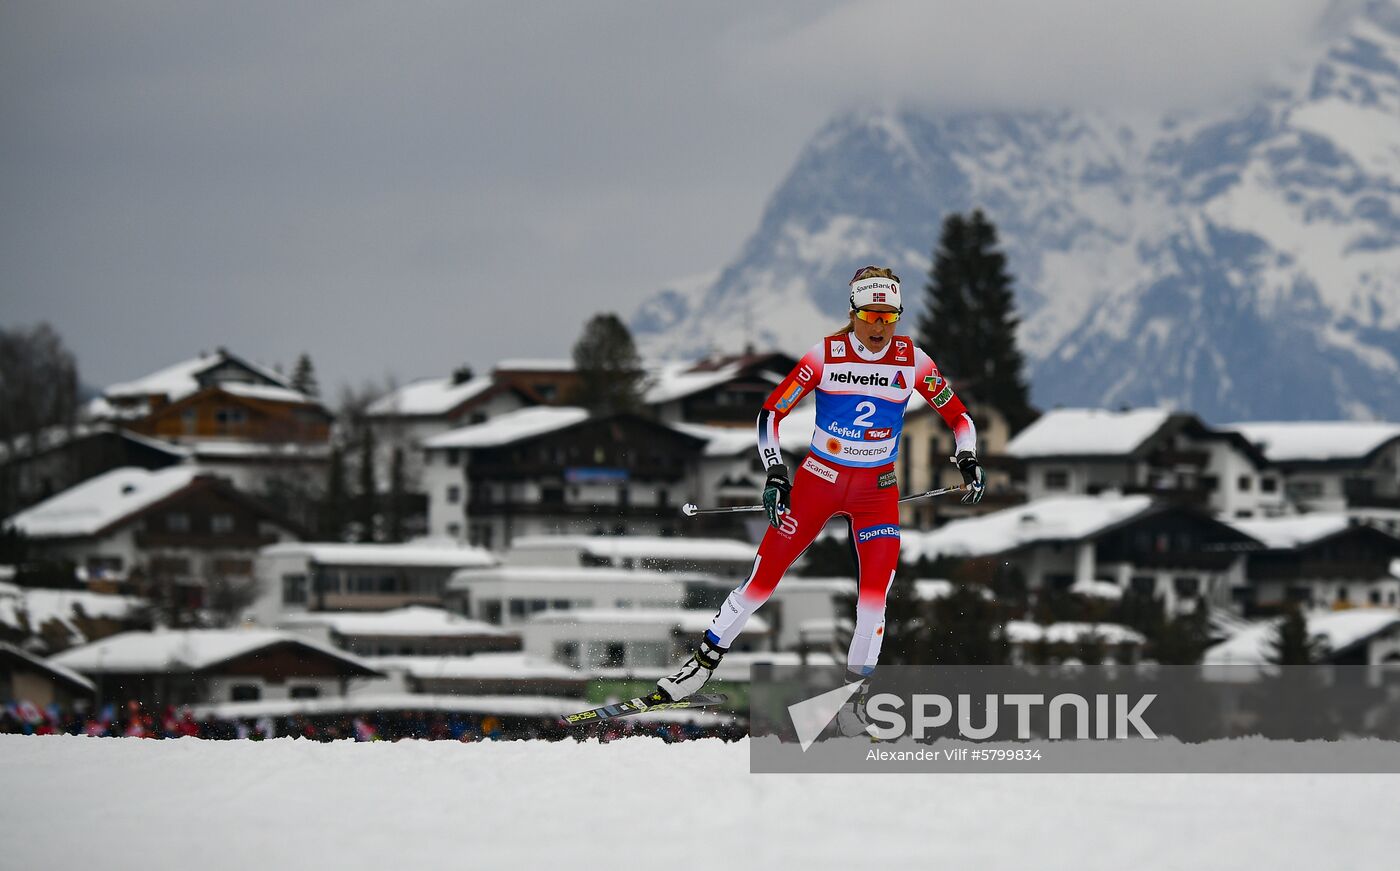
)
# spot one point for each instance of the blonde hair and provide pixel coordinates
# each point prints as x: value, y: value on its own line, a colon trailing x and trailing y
x: 863, y: 273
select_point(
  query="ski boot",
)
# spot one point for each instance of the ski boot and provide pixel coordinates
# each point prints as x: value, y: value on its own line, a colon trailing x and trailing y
x: 690, y: 677
x: 852, y: 719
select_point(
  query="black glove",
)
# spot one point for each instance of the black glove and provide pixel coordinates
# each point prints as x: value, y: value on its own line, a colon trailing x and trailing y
x: 775, y: 494
x: 973, y: 476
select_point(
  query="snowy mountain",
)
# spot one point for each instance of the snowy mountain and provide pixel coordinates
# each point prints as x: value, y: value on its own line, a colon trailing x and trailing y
x: 1244, y: 265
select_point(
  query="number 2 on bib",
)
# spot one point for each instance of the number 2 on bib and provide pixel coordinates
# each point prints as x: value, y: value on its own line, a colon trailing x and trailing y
x: 867, y: 411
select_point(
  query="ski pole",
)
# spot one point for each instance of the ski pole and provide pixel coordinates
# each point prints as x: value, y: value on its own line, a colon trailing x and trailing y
x: 690, y: 510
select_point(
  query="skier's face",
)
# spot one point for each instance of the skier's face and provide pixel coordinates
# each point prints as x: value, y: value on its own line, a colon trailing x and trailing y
x: 873, y: 335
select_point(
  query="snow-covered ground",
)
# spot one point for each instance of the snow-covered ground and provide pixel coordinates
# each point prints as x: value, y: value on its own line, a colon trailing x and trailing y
x: 115, y: 803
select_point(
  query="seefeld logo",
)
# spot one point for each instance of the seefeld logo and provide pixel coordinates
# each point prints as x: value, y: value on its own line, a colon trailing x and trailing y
x: 848, y: 432
x: 871, y: 380
x: 889, y: 530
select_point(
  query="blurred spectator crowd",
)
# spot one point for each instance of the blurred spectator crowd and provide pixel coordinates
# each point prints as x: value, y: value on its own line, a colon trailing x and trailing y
x: 137, y: 721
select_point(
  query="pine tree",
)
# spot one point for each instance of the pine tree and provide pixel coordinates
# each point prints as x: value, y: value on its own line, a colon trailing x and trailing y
x: 609, y: 368
x: 970, y: 324
x: 366, y: 503
x: 1291, y: 644
x: 333, y: 508
x: 304, y: 377
x: 394, y: 513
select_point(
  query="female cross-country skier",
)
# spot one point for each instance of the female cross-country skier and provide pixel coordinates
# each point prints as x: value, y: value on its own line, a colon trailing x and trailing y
x: 862, y: 377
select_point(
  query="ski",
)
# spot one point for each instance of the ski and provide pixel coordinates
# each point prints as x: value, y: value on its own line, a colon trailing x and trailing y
x: 638, y: 706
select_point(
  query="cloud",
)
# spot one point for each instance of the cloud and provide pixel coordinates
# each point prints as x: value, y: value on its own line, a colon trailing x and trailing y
x: 1029, y: 55
x: 406, y: 187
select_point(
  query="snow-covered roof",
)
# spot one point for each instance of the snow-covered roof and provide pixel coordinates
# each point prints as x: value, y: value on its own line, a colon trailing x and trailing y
x: 794, y: 434
x: 569, y: 575
x: 428, y: 397
x: 412, y: 621
x: 1340, y: 629
x: 1059, y: 518
x: 929, y: 589
x: 1097, y: 589
x: 677, y: 380
x: 641, y: 546
x: 93, y: 505
x: 184, y: 650
x: 510, y: 427
x: 1026, y: 632
x: 174, y: 381
x: 420, y: 555
x: 267, y: 392
x: 478, y: 666
x: 688, y: 620
x: 181, y: 379
x: 557, y: 364
x: 41, y: 606
x: 1285, y: 533
x: 43, y: 665
x: 58, y: 436
x: 1302, y: 441
x: 1075, y: 432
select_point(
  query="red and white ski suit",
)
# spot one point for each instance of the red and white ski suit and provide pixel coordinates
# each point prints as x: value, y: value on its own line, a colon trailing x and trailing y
x: 849, y: 470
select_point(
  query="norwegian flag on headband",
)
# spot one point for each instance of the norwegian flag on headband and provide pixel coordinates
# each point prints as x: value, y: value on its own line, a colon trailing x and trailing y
x: 877, y: 297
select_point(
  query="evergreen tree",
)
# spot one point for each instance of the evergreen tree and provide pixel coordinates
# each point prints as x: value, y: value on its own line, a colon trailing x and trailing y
x: 394, y: 518
x: 366, y: 503
x: 304, y: 377
x: 1291, y: 644
x: 609, y: 368
x: 970, y: 324
x: 333, y: 514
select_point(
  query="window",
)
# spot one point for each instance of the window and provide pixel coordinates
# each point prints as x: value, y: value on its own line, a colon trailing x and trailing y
x: 454, y: 494
x: 1268, y: 484
x: 615, y: 655
x: 454, y: 456
x: 177, y: 521
x: 1057, y: 479
x: 560, y: 604
x: 1186, y: 585
x: 221, y: 524
x: 1244, y: 515
x: 1343, y: 594
x: 1246, y: 483
x: 1375, y: 597
x: 294, y: 589
x: 517, y: 607
x: 491, y: 611
x: 538, y: 605
x: 229, y: 417
x: 191, y: 420
x: 305, y: 692
x: 1143, y: 585
x: 566, y: 652
x: 1210, y: 483
x: 244, y: 692
x: 454, y: 530
x: 100, y: 566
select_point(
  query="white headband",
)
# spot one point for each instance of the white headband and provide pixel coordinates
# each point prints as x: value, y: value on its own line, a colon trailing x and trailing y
x: 875, y: 291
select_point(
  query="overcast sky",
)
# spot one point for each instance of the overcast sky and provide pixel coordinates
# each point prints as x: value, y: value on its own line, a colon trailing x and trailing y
x: 398, y: 188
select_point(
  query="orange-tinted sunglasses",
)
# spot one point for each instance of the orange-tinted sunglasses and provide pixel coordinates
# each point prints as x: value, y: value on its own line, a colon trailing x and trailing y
x: 871, y: 317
